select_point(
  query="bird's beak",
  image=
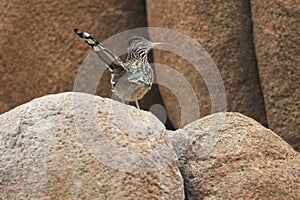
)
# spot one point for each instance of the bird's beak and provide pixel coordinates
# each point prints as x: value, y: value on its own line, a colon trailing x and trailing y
x: 155, y: 44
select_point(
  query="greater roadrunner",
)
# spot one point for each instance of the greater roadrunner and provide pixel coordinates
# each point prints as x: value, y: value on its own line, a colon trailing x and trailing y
x: 130, y: 80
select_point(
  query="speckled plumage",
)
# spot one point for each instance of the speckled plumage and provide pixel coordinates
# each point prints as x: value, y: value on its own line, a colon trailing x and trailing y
x: 130, y: 80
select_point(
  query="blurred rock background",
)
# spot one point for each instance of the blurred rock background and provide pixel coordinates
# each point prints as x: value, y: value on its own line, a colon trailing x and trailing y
x: 254, y: 44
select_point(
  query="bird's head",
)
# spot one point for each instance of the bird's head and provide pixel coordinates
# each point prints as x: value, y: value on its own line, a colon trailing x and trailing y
x: 137, y: 43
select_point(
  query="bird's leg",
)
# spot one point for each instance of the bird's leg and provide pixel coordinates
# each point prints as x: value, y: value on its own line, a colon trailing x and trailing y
x: 137, y: 104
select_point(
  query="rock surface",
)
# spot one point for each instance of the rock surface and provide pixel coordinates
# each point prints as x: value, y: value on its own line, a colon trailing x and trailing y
x: 224, y: 30
x: 80, y: 146
x: 276, y: 37
x: 230, y: 156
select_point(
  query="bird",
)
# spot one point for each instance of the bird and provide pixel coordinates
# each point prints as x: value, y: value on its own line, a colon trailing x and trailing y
x: 132, y: 79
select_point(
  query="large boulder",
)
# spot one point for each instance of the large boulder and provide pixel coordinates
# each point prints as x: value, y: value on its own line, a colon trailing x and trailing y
x: 80, y: 146
x: 224, y: 30
x: 276, y: 37
x: 231, y: 156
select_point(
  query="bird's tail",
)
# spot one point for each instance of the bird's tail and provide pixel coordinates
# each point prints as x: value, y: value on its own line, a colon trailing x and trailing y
x: 112, y: 61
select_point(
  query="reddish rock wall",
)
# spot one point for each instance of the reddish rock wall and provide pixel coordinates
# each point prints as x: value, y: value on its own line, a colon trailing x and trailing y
x: 276, y: 31
x: 224, y: 30
x: 40, y: 54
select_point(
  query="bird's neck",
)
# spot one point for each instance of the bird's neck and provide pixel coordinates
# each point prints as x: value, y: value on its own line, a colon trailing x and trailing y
x: 137, y: 56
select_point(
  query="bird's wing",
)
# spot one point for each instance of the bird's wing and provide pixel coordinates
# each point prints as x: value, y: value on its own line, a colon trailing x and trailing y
x: 137, y: 77
x: 110, y: 60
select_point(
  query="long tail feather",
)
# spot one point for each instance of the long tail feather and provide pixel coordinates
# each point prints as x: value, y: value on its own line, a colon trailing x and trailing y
x: 112, y: 61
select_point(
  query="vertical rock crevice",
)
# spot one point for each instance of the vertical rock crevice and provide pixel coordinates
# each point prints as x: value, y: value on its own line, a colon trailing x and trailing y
x: 256, y: 70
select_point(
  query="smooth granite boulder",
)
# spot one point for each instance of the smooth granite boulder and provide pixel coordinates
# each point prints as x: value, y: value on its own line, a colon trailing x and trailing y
x: 231, y: 156
x: 81, y: 146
